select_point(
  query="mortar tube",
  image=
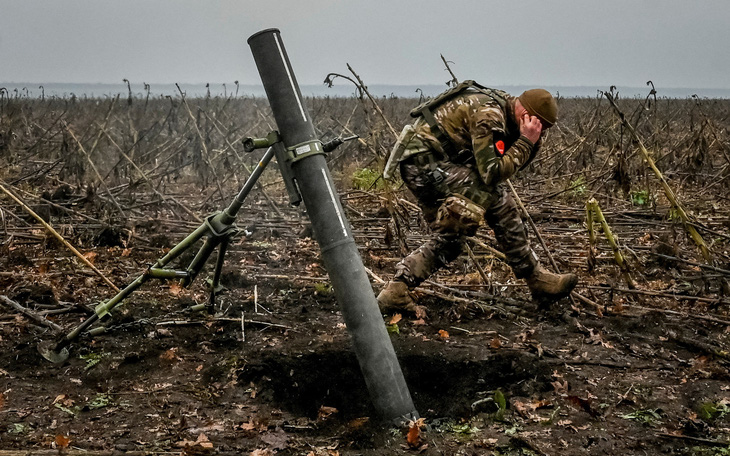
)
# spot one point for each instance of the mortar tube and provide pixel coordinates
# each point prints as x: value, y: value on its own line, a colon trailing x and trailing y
x: 371, y: 342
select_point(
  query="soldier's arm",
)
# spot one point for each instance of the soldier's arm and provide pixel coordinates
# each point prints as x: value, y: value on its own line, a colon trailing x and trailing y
x: 494, y: 163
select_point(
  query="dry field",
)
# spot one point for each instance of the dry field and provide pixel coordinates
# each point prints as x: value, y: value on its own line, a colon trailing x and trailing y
x: 637, y: 365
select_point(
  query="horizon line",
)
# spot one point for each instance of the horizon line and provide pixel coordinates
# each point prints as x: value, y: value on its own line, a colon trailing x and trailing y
x: 371, y: 84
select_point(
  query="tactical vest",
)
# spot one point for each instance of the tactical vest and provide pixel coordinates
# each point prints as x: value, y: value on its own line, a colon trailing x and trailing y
x: 426, y: 109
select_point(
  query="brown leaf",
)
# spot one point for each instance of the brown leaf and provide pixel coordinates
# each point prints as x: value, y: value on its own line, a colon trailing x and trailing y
x: 358, y: 423
x: 584, y: 404
x: 265, y: 452
x: 560, y: 387
x: 443, y: 334
x: 521, y: 409
x: 537, y: 404
x: 63, y: 400
x: 524, y: 409
x: 199, y: 446
x: 126, y: 252
x: 203, y: 441
x: 185, y: 443
x: 2, y: 400
x: 596, y: 338
x: 495, y: 343
x: 325, y: 412
x: 395, y: 319
x: 91, y: 256
x: 175, y: 289
x: 62, y: 441
x: 170, y: 355
x: 414, y: 433
x: 250, y: 426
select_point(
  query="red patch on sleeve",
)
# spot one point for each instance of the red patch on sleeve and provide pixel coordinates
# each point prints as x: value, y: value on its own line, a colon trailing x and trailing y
x: 500, y: 147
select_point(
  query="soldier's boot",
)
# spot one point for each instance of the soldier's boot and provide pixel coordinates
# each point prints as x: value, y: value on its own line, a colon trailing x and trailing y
x: 547, y: 286
x: 396, y: 297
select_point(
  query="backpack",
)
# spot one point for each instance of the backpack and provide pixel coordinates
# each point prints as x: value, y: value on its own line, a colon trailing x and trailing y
x: 426, y: 109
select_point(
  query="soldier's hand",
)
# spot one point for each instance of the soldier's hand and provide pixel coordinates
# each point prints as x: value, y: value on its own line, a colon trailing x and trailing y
x: 530, y: 127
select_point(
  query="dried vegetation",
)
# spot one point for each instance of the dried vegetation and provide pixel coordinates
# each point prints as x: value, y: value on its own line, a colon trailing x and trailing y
x: 638, y: 364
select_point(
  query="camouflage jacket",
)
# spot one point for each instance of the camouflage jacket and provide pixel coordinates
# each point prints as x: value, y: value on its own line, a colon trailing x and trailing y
x: 475, y: 122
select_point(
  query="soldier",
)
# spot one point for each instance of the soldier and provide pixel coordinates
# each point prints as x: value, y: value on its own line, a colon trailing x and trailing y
x: 463, y: 145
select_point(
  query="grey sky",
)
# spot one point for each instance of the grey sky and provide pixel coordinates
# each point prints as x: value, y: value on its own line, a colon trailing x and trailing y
x: 675, y: 43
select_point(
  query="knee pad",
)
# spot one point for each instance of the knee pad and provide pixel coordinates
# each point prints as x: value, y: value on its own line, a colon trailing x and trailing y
x: 458, y: 214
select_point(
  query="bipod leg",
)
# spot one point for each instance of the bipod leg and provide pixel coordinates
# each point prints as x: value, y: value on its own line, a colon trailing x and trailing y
x: 200, y: 259
x: 215, y: 286
x: 57, y: 351
x: 218, y: 228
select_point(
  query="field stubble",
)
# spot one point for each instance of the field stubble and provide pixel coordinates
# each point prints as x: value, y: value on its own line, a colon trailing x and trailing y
x: 123, y: 180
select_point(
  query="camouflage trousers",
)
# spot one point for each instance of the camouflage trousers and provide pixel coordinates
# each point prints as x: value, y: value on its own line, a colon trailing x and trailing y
x: 501, y: 214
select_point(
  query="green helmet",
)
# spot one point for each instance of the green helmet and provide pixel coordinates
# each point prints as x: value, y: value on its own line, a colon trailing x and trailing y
x: 541, y: 104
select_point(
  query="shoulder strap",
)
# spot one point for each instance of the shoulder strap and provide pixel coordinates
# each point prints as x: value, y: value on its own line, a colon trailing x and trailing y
x: 441, y: 98
x: 426, y: 108
x: 497, y: 95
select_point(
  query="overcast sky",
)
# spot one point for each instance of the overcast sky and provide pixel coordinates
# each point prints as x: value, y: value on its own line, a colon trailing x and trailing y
x: 675, y: 43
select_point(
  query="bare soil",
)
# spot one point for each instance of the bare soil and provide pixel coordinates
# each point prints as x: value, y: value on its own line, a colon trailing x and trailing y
x: 165, y: 378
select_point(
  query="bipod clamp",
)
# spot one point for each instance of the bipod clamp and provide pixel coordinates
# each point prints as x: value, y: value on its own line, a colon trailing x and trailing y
x: 218, y: 229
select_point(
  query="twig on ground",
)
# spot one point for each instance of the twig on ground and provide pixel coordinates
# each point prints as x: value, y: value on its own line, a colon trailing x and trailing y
x: 30, y: 314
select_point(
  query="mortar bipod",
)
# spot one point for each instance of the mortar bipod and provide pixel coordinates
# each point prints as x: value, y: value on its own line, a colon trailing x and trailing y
x: 218, y: 229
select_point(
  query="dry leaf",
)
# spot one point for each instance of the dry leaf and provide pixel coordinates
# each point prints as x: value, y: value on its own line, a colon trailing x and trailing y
x: 521, y: 409
x: 414, y: 433
x: 325, y: 412
x: 126, y: 252
x: 443, y: 334
x: 537, y: 404
x: 584, y: 404
x: 250, y: 426
x: 63, y: 400
x: 203, y: 441
x: 175, y: 289
x: 2, y: 400
x: 170, y: 355
x: 62, y: 441
x: 91, y: 256
x: 265, y: 452
x: 358, y: 423
x: 395, y: 319
x: 495, y: 343
x: 560, y: 387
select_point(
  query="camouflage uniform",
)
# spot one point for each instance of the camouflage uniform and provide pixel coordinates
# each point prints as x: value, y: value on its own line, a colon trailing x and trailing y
x: 491, y: 151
